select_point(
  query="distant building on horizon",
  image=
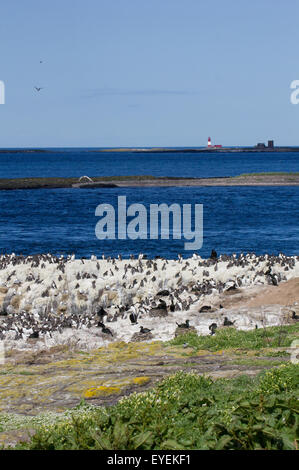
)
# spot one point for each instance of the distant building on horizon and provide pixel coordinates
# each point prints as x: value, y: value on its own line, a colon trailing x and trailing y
x: 262, y: 145
x: 210, y: 146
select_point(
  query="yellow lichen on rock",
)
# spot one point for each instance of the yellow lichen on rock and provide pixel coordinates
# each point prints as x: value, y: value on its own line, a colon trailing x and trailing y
x: 220, y: 352
x: 141, y: 380
x: 103, y: 390
x: 203, y: 352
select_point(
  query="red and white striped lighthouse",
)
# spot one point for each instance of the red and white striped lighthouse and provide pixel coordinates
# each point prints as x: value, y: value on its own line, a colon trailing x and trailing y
x: 209, y: 142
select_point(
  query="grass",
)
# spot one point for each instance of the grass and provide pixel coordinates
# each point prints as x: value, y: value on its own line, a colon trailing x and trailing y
x: 269, y: 173
x: 228, y: 338
x: 187, y: 411
x: 53, y: 182
x: 39, y: 183
x: 251, y: 362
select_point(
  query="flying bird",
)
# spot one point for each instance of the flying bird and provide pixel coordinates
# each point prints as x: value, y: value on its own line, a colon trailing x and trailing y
x: 38, y: 88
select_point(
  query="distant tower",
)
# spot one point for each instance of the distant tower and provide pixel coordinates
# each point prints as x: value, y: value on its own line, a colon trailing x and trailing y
x: 209, y: 142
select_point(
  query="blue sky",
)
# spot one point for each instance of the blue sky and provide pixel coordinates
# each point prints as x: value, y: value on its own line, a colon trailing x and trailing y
x: 148, y: 72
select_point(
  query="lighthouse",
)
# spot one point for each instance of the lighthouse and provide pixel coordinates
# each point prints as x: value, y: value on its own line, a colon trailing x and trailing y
x: 210, y: 146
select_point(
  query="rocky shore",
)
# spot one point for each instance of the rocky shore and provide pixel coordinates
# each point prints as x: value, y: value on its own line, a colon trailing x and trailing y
x: 47, y: 301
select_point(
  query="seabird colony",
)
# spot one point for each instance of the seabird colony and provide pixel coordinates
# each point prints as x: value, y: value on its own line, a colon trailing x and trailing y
x: 43, y: 296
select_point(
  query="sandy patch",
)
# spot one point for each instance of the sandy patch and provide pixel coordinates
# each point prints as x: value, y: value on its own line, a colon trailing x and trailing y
x: 285, y: 294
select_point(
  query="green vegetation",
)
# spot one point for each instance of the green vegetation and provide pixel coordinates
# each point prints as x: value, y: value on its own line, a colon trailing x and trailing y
x: 187, y: 411
x: 230, y: 338
x: 269, y: 173
x: 39, y: 183
x: 252, y: 362
x: 48, y: 183
x: 35, y: 183
x: 111, y: 181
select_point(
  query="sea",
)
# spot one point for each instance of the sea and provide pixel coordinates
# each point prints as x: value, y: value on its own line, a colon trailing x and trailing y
x: 63, y: 221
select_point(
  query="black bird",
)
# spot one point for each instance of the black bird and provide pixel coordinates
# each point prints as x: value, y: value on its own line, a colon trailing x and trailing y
x: 162, y: 305
x: 205, y: 308
x: 212, y: 328
x: 34, y: 335
x: 144, y: 330
x: 100, y: 324
x: 106, y: 330
x: 67, y: 323
x: 213, y: 254
x: 183, y: 325
x: 294, y: 316
x: 101, y: 313
x: 163, y: 293
x: 227, y: 322
x: 133, y: 318
x: 38, y: 88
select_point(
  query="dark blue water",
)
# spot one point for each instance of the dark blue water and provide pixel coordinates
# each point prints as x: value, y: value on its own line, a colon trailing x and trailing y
x: 80, y: 162
x: 235, y: 220
x: 62, y: 221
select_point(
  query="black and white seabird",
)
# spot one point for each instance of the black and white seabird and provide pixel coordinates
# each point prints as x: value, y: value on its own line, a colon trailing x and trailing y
x: 133, y: 318
x: 101, y: 313
x: 184, y: 325
x: 213, y: 328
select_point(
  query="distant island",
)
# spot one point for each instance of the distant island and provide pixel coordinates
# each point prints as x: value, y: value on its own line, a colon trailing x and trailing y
x: 260, y: 147
x: 250, y: 179
x: 23, y: 150
x: 202, y: 150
